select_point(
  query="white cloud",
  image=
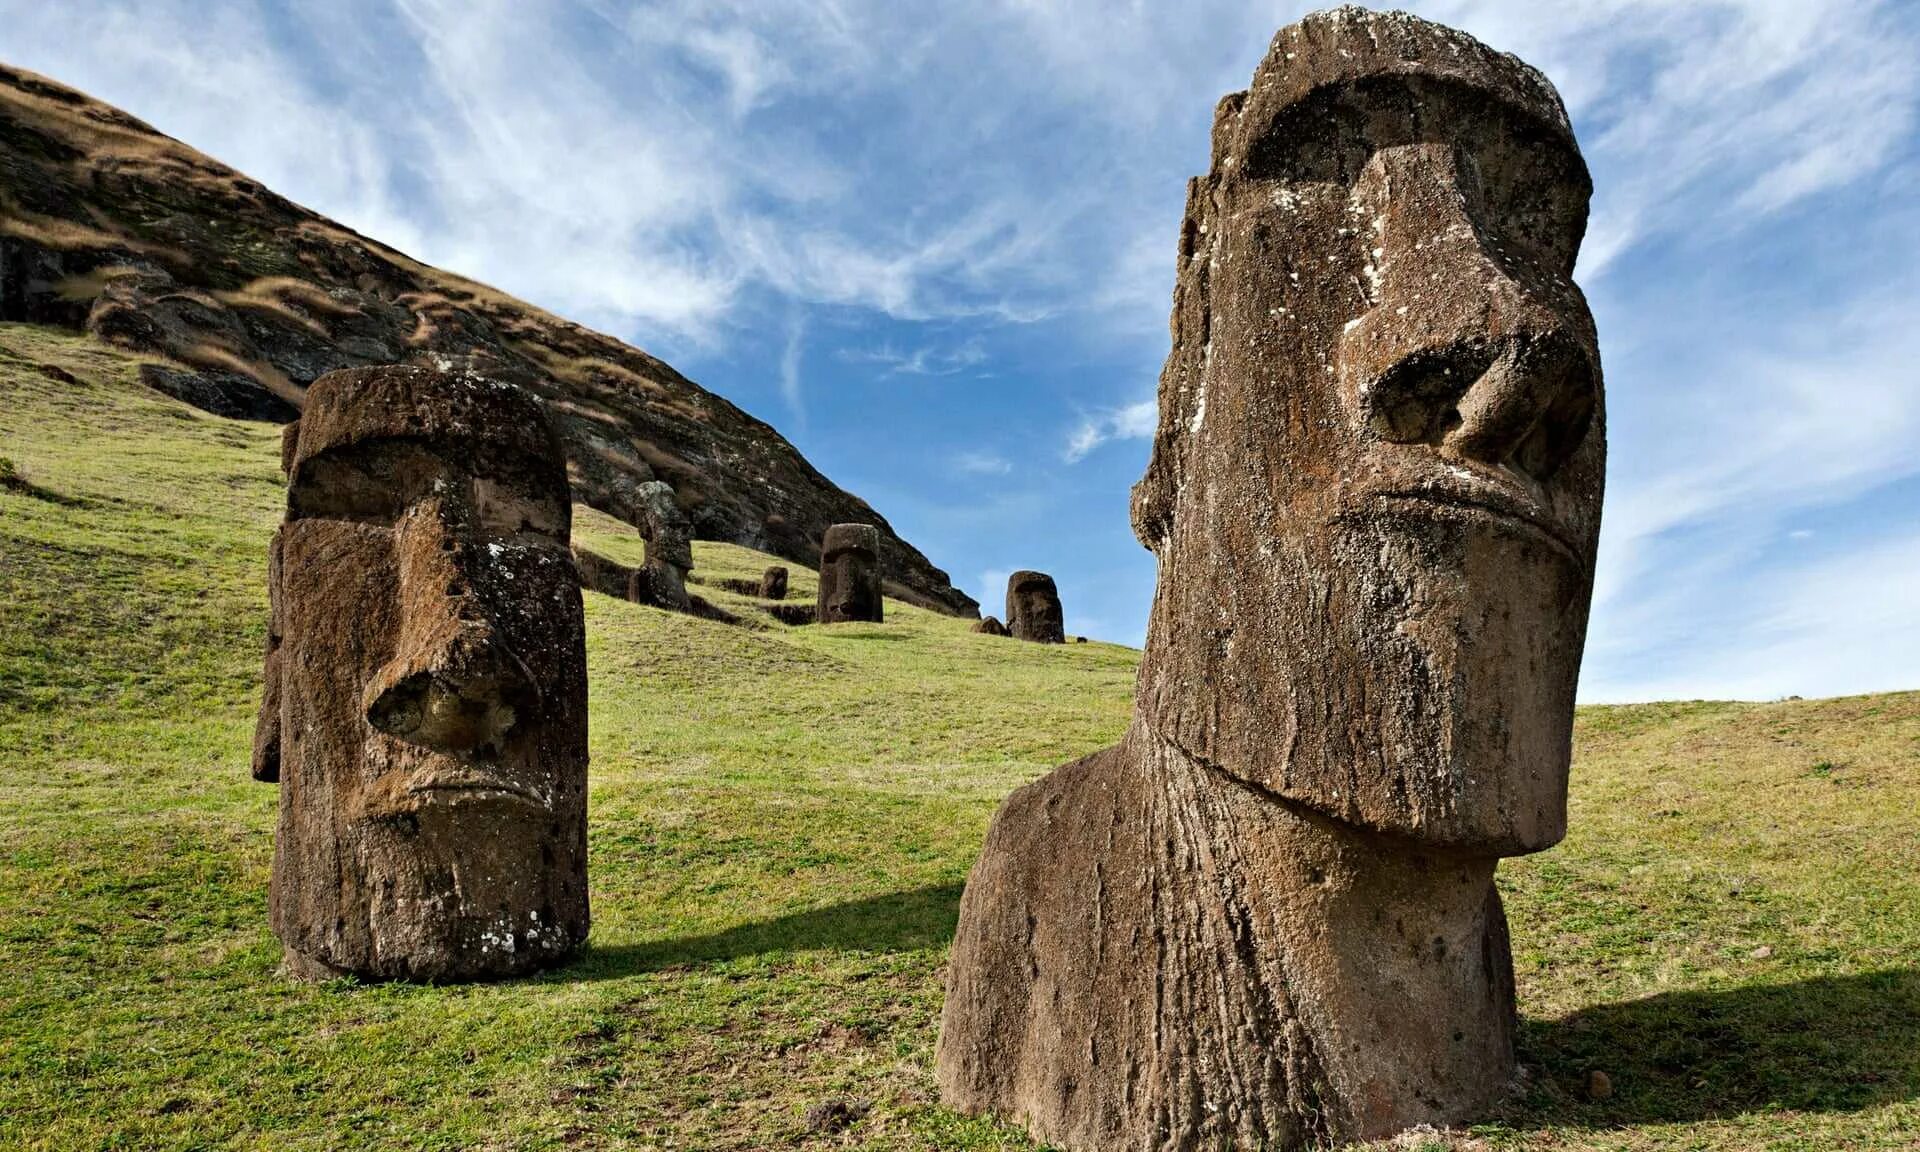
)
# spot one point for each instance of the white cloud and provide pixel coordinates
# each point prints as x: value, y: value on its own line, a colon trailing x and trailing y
x: 1842, y: 624
x: 929, y: 360
x: 790, y: 368
x: 982, y: 464
x: 1133, y: 422
x: 674, y: 170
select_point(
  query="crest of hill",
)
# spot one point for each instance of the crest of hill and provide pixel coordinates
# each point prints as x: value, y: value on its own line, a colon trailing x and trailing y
x: 237, y: 298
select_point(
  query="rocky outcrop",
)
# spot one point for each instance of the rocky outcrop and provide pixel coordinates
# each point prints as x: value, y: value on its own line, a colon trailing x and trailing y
x: 243, y: 298
x: 1267, y: 918
x: 990, y: 626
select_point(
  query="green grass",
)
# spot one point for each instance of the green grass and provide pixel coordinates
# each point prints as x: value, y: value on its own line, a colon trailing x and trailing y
x: 781, y: 822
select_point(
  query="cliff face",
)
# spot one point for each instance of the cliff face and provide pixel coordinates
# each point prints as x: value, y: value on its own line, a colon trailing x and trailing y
x: 241, y: 298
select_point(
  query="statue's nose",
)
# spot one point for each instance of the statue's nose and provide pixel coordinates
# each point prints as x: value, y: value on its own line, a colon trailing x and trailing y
x: 1478, y: 351
x: 453, y: 684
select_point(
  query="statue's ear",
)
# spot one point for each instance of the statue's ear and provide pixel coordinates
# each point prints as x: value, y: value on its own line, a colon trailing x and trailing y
x: 266, y: 728
x: 289, y: 444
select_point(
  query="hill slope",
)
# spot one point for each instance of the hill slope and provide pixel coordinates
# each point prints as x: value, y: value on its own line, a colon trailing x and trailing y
x: 241, y: 298
x: 781, y: 820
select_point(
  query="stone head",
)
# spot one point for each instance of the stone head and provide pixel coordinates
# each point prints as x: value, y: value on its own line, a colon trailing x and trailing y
x: 431, y: 670
x: 1033, y: 608
x: 1375, y: 488
x: 850, y: 577
x: 665, y: 527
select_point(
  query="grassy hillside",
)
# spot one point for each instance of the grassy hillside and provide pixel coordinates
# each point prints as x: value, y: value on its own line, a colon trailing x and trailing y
x: 781, y: 821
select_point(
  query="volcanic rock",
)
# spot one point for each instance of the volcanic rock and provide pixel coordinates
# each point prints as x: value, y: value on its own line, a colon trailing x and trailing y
x: 425, y: 711
x: 1267, y: 917
x: 1033, y: 609
x: 850, y: 575
x: 990, y: 626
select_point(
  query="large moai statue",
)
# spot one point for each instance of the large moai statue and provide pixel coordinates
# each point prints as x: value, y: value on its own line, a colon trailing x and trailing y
x: 1033, y: 609
x: 669, y: 535
x: 850, y: 578
x: 1267, y: 918
x: 425, y: 711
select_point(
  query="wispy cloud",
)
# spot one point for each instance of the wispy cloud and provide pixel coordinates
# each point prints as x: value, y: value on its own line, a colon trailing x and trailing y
x: 790, y: 368
x: 929, y: 360
x: 1009, y: 176
x: 982, y: 464
x: 1133, y: 422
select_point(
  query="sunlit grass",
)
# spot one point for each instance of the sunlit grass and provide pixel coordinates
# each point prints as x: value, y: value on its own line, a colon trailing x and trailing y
x: 782, y: 818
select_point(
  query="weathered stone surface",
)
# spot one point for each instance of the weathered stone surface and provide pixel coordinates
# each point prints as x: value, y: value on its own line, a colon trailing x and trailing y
x: 1033, y: 609
x: 1267, y: 918
x: 662, y: 581
x: 991, y: 626
x: 426, y: 701
x: 106, y: 223
x: 850, y: 576
x: 226, y: 394
x: 773, y: 583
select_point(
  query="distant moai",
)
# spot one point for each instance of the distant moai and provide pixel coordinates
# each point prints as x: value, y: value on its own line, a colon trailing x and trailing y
x: 662, y: 580
x: 990, y: 626
x: 1267, y: 917
x: 1033, y: 609
x: 425, y: 708
x: 850, y: 577
x: 773, y: 583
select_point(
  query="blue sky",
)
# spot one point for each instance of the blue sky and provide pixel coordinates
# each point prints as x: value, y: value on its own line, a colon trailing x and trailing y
x: 934, y: 245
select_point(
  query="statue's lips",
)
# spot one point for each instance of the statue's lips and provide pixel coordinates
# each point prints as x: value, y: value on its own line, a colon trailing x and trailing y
x: 1485, y: 501
x: 456, y: 785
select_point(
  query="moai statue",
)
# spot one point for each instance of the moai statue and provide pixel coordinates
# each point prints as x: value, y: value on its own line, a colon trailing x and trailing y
x: 849, y: 574
x: 1033, y: 609
x: 773, y: 583
x: 1267, y: 918
x: 425, y: 711
x: 669, y: 535
x: 990, y: 626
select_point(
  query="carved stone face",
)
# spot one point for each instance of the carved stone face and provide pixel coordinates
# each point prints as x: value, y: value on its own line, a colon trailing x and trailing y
x: 1033, y: 608
x: 850, y: 582
x: 1375, y: 492
x: 432, y: 684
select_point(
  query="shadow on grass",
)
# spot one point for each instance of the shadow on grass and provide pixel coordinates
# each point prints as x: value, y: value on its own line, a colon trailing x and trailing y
x: 1835, y: 1044
x: 896, y: 922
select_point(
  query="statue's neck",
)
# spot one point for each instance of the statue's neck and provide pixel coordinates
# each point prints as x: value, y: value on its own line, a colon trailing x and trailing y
x: 1384, y: 946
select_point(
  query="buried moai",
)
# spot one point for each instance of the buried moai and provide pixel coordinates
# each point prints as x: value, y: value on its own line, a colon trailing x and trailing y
x: 1267, y: 917
x: 1033, y: 609
x: 850, y: 576
x: 773, y: 583
x: 990, y: 626
x: 425, y: 712
x: 662, y: 580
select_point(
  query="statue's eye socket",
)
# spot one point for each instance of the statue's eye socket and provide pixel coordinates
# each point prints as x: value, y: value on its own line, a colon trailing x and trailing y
x: 373, y: 484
